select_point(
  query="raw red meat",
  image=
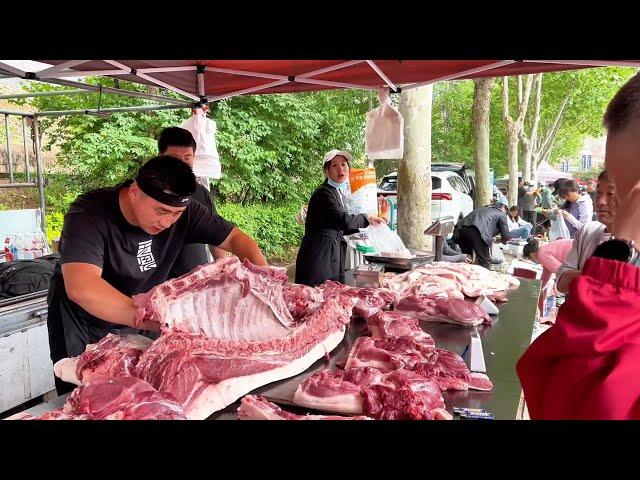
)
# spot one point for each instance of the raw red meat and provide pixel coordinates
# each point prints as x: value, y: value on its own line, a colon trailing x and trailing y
x: 370, y: 300
x: 397, y: 395
x: 113, y: 356
x: 302, y: 300
x: 446, y: 368
x: 122, y: 398
x: 461, y: 312
x: 391, y: 353
x: 404, y: 395
x: 258, y: 408
x: 391, y: 324
x: 451, y: 280
x: 206, y: 375
x: 226, y: 300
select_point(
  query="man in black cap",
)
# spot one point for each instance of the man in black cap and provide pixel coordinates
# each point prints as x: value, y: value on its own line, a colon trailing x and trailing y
x: 121, y: 241
x: 179, y: 142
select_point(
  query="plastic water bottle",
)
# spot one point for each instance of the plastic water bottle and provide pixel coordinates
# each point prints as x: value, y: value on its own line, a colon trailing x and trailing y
x: 37, y: 245
x: 18, y: 245
x: 8, y: 251
x: 28, y: 246
x: 549, y: 305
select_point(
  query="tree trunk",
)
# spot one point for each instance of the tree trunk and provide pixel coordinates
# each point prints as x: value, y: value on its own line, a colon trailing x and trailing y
x: 535, y: 163
x: 414, y: 170
x: 481, y: 107
x: 543, y: 144
x: 529, y: 142
x: 512, y: 148
x: 513, y: 128
x: 519, y: 82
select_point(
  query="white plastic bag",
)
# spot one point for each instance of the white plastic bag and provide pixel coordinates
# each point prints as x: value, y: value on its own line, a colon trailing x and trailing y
x: 496, y: 253
x: 207, y: 161
x: 384, y: 137
x: 558, y: 229
x: 387, y: 242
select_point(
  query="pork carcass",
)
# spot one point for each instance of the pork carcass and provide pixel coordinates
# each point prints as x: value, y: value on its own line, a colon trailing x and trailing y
x: 215, y: 349
x: 205, y: 375
x: 113, y: 356
x: 392, y: 353
x: 451, y: 280
x: 392, y: 324
x: 301, y: 300
x: 460, y: 312
x: 369, y: 300
x: 481, y: 281
x: 259, y: 408
x: 398, y: 395
x: 445, y: 368
x: 221, y: 300
x: 121, y: 398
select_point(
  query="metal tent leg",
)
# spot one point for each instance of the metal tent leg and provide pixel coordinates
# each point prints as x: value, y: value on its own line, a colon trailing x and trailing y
x: 39, y: 180
x: 26, y: 149
x: 9, y: 155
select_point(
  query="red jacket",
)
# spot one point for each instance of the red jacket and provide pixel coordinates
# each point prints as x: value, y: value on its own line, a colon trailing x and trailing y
x: 587, y: 366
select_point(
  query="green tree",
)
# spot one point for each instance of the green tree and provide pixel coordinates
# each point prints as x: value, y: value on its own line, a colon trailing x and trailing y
x: 591, y: 90
x: 452, y: 131
x: 270, y: 148
x: 586, y: 93
x: 270, y: 145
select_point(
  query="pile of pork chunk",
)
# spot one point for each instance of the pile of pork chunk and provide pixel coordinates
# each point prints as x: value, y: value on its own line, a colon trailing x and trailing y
x: 230, y: 327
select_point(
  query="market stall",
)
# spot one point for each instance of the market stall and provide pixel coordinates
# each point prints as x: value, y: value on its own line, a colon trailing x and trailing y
x: 208, y: 81
x: 503, y: 342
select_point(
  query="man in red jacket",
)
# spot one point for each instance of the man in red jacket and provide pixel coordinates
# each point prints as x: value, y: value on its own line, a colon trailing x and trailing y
x: 587, y: 366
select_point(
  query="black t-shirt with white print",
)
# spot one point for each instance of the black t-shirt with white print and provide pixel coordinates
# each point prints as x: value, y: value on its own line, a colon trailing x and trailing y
x: 132, y: 261
x: 194, y: 254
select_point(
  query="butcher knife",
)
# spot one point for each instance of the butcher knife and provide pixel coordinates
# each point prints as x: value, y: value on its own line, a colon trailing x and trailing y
x: 476, y: 355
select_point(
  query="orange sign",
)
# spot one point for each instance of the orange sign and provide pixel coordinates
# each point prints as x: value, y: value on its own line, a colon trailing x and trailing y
x: 361, y: 177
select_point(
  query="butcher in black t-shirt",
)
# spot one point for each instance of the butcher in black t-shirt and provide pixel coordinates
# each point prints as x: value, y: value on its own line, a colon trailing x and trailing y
x: 178, y: 142
x: 120, y: 241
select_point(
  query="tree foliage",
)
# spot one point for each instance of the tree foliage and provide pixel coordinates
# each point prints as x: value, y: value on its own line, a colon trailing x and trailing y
x: 270, y: 145
x: 593, y: 88
x: 270, y: 148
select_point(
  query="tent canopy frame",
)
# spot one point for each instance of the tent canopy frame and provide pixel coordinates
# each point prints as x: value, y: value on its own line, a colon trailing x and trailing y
x: 58, y: 74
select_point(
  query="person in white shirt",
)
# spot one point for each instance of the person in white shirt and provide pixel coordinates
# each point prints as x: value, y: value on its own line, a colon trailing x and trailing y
x: 578, y: 208
x: 517, y: 224
x: 591, y: 234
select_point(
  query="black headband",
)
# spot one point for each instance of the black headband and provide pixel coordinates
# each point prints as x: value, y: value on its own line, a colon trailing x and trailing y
x: 161, y: 196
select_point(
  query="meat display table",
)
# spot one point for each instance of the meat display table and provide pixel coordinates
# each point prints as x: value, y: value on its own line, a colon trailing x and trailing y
x: 503, y: 343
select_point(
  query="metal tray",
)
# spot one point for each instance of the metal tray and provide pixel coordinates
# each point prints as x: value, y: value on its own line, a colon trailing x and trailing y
x: 400, y: 263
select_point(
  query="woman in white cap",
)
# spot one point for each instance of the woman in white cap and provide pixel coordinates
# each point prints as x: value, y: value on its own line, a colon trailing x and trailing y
x: 323, y: 250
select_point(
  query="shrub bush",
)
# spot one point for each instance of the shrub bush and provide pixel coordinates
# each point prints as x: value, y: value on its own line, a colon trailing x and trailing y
x: 274, y: 228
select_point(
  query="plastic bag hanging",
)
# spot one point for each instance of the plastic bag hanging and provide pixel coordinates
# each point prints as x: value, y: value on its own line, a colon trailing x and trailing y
x: 207, y: 161
x: 384, y: 137
x: 558, y: 230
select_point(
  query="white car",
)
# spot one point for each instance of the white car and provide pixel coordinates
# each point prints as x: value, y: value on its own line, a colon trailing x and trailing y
x: 449, y: 194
